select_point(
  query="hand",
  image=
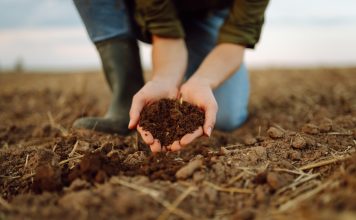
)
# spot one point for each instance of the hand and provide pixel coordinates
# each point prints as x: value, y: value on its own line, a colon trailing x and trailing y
x: 152, y: 91
x: 198, y: 91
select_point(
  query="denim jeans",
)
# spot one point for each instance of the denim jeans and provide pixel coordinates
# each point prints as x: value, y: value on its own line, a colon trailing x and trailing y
x: 105, y: 19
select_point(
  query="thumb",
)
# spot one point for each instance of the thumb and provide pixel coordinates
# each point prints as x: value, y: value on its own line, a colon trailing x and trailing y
x: 135, y: 111
x: 210, y: 118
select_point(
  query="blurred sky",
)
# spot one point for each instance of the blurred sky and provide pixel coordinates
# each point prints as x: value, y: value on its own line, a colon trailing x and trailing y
x: 49, y: 34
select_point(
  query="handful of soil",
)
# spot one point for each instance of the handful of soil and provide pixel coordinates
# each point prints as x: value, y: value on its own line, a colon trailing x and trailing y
x: 169, y: 120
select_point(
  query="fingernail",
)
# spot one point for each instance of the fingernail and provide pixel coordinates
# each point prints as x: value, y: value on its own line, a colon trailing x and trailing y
x: 208, y: 132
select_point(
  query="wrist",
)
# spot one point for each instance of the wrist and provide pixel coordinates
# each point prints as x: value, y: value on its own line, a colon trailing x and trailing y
x: 203, y: 79
x: 198, y: 79
x: 165, y: 80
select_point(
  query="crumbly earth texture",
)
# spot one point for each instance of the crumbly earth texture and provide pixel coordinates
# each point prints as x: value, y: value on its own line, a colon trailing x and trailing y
x: 169, y: 120
x: 293, y: 159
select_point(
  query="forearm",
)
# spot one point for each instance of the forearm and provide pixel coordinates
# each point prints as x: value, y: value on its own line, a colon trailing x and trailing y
x: 220, y: 64
x: 169, y: 59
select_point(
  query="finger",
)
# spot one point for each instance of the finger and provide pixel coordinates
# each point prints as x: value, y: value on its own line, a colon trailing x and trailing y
x: 156, y: 146
x: 146, y: 135
x: 176, y: 146
x: 164, y: 149
x: 136, y: 108
x: 188, y: 138
x: 210, y: 118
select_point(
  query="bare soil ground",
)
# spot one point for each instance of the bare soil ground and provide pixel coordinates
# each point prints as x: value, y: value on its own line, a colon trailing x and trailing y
x: 293, y: 159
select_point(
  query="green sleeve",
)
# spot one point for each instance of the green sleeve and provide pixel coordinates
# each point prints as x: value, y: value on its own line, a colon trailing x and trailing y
x: 158, y: 17
x: 244, y: 23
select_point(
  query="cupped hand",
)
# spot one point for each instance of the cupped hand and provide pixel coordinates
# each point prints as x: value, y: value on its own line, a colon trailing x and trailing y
x: 152, y: 91
x: 198, y: 91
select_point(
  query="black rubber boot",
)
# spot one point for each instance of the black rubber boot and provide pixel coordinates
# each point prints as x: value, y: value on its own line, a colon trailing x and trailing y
x: 123, y: 72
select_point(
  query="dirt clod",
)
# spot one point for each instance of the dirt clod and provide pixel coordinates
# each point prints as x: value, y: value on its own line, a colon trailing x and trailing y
x: 325, y: 125
x: 95, y: 167
x: 250, y: 140
x: 299, y: 142
x: 169, y: 120
x: 310, y: 129
x: 275, y: 132
x: 189, y: 169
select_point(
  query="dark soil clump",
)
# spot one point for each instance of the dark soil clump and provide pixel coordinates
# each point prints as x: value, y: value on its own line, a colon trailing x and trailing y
x: 169, y: 120
x: 95, y: 167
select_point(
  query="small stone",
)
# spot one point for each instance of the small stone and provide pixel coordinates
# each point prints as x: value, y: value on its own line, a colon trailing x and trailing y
x: 189, y: 169
x: 275, y: 132
x: 295, y: 155
x: 250, y: 141
x: 326, y: 125
x: 299, y: 143
x: 310, y: 129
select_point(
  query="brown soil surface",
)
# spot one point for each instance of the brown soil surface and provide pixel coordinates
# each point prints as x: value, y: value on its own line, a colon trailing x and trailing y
x: 169, y: 120
x: 293, y: 159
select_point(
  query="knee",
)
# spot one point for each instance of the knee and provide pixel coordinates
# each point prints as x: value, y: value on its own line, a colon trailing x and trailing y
x: 229, y: 121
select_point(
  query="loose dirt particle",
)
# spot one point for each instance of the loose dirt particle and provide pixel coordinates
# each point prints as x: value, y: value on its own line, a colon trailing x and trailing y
x: 310, y: 129
x: 188, y: 170
x: 250, y: 140
x: 275, y: 133
x: 258, y: 153
x: 295, y: 155
x: 169, y: 120
x: 299, y: 142
x: 325, y: 125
